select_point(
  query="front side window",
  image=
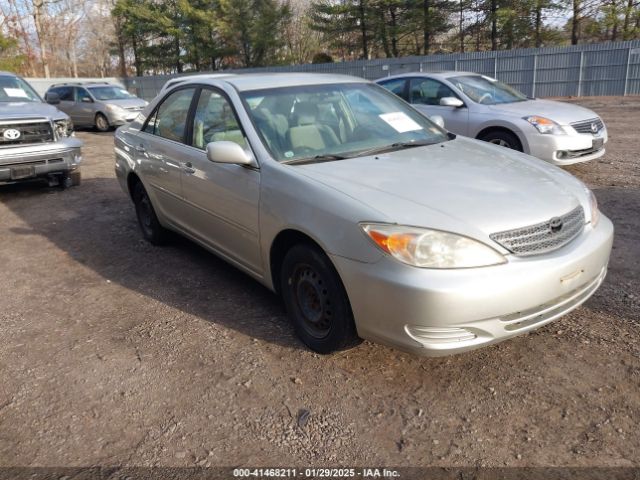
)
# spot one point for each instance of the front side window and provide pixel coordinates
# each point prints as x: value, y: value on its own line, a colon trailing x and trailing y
x: 426, y: 91
x: 395, y: 86
x: 214, y: 121
x: 170, y: 118
x: 316, y: 122
x: 14, y: 89
x: 486, y: 91
x: 81, y: 94
x: 110, y: 92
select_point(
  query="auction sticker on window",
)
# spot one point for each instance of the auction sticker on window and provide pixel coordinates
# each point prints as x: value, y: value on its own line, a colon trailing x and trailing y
x: 401, y: 122
x: 16, y: 92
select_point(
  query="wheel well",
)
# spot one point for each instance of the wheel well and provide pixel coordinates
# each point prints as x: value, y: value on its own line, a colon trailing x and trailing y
x: 132, y: 181
x: 283, y: 242
x: 487, y: 130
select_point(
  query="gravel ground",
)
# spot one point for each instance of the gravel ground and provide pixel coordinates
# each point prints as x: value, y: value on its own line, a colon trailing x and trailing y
x: 114, y: 352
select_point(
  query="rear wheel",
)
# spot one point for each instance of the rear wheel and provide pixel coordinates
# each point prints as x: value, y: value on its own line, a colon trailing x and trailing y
x: 503, y: 139
x: 101, y: 122
x: 149, y: 224
x: 316, y: 300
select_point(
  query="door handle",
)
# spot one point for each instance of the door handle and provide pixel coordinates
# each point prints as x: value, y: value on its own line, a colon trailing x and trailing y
x: 187, y: 167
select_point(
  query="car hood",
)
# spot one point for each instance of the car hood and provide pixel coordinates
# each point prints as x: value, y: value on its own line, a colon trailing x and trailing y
x: 560, y: 112
x: 128, y: 102
x: 29, y: 110
x: 464, y: 186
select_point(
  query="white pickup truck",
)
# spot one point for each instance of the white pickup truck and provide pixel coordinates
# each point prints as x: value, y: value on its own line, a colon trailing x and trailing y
x: 36, y: 139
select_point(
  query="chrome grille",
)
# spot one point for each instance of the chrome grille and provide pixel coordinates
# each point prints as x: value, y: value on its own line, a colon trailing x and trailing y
x: 586, y: 126
x: 38, y: 131
x: 543, y: 237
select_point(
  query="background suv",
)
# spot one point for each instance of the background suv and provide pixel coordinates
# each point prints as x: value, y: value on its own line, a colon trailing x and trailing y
x: 96, y: 104
x: 36, y: 139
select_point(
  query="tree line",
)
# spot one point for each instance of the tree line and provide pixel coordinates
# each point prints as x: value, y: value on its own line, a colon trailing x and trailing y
x: 139, y: 37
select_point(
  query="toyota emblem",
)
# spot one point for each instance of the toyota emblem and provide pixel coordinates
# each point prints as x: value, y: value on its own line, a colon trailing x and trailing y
x: 11, y: 134
x: 594, y: 127
x: 555, y: 224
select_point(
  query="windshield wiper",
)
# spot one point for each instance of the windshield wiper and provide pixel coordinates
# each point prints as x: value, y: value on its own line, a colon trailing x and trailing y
x: 392, y: 147
x: 330, y: 157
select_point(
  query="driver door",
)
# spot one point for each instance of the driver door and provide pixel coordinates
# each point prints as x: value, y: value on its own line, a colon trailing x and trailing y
x: 425, y: 95
x: 223, y: 199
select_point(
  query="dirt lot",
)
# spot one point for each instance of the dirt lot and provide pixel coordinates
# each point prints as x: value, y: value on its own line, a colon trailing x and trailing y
x: 114, y: 352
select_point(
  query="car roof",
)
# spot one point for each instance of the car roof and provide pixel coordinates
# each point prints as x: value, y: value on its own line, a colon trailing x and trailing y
x: 83, y: 84
x: 259, y: 81
x: 442, y: 74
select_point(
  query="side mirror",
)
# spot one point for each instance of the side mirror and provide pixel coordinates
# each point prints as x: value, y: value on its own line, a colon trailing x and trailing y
x: 52, y: 98
x: 451, y: 102
x: 438, y: 120
x: 86, y: 100
x: 228, y: 152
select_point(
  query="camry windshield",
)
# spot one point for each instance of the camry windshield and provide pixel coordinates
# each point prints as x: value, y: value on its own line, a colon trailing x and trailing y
x: 14, y: 89
x: 336, y: 121
x: 110, y: 93
x: 486, y: 91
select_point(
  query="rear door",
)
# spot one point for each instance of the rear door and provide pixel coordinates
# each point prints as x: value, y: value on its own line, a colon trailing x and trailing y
x: 222, y: 199
x: 425, y: 94
x: 159, y: 149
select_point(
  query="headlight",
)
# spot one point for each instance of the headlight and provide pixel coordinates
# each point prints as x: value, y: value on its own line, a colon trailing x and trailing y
x: 116, y: 109
x: 544, y: 125
x: 426, y: 248
x: 593, y: 206
x: 64, y: 128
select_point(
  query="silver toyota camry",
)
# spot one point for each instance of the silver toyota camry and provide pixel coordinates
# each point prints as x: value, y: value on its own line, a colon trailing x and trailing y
x: 369, y: 220
x: 482, y: 107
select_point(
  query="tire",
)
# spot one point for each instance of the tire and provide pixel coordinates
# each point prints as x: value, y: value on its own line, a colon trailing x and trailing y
x: 503, y: 139
x: 316, y: 301
x: 152, y: 231
x: 102, y: 123
x: 71, y: 179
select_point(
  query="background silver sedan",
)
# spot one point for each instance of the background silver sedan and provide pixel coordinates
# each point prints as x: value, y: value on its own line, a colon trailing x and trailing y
x: 370, y: 220
x: 481, y: 107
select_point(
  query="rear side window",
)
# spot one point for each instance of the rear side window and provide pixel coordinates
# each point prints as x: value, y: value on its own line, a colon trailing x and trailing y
x: 170, y: 118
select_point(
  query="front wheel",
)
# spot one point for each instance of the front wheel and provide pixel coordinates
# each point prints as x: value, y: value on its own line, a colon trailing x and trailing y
x: 316, y: 300
x: 152, y: 231
x: 503, y: 139
x: 102, y: 123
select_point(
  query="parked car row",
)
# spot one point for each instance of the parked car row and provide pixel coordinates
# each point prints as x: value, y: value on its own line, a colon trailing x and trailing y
x: 369, y: 219
x: 37, y: 139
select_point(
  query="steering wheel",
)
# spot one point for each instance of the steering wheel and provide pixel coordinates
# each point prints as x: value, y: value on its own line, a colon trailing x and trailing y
x: 486, y: 95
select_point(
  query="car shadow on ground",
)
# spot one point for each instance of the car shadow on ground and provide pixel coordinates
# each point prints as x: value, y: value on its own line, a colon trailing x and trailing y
x: 95, y: 224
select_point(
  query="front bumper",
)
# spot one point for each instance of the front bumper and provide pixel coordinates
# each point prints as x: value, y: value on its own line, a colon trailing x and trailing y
x: 34, y: 161
x: 121, y: 118
x: 566, y: 149
x: 441, y: 312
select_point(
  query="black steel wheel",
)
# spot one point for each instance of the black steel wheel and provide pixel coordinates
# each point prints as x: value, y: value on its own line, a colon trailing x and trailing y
x: 147, y: 219
x: 316, y: 300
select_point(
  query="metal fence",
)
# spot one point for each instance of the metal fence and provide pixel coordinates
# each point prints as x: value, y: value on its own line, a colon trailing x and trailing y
x: 580, y: 70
